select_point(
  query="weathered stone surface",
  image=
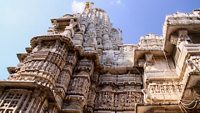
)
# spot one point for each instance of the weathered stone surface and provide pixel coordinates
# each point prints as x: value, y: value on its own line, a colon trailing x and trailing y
x: 82, y: 66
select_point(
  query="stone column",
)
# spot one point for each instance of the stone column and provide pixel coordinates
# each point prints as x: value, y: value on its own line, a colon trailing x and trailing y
x: 64, y: 78
x: 79, y: 87
x: 91, y: 98
x: 92, y: 93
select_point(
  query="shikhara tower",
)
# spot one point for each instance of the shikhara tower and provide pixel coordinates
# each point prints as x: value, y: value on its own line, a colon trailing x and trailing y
x: 82, y: 66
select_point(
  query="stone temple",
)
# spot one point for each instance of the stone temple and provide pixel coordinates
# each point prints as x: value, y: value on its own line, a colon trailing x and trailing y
x: 82, y: 66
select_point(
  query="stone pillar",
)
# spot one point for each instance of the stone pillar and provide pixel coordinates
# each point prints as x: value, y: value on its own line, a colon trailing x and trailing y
x: 92, y: 93
x: 91, y: 99
x: 79, y: 87
x: 64, y: 78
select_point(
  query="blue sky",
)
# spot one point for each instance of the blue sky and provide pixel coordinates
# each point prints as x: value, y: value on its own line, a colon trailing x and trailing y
x: 20, y: 20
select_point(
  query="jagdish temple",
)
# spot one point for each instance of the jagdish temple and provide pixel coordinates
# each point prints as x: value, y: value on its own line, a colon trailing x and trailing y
x: 82, y: 66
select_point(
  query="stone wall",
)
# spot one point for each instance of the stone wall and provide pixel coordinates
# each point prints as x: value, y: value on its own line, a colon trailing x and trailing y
x: 82, y: 66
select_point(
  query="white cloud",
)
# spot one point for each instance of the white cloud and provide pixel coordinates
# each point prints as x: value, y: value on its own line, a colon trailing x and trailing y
x: 77, y: 7
x: 118, y: 2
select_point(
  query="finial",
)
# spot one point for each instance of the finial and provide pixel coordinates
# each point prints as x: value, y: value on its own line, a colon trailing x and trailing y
x: 88, y: 5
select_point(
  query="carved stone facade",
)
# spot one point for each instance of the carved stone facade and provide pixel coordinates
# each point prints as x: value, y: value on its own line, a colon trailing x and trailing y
x: 82, y: 66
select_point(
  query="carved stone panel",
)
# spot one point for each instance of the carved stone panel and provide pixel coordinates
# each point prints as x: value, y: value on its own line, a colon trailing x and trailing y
x: 79, y: 86
x: 105, y: 100
x: 165, y: 91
